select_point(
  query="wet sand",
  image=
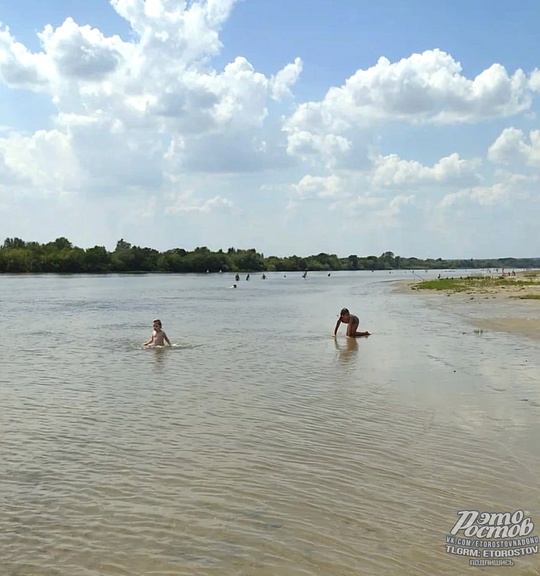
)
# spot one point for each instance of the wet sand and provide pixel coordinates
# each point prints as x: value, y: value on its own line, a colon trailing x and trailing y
x: 496, y: 308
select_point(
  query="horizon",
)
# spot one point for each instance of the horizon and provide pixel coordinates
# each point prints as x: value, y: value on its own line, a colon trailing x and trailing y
x: 342, y: 129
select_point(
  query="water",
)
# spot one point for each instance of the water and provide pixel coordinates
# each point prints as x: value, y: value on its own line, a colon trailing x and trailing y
x: 258, y: 444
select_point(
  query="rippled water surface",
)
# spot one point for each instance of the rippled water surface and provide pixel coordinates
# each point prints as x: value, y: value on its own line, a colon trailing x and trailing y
x: 258, y: 444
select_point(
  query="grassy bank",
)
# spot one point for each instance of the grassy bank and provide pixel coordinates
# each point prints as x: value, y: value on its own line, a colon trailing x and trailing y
x: 525, y: 285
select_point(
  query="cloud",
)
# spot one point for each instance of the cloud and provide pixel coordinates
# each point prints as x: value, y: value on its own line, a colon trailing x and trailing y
x: 511, y: 188
x: 426, y: 88
x: 130, y: 112
x: 393, y: 172
x: 388, y: 215
x: 511, y: 147
x: 7, y: 174
x: 181, y: 31
x: 81, y: 51
x: 19, y: 68
x: 282, y: 82
x: 8, y: 180
x: 44, y: 160
x: 310, y: 146
x: 370, y: 186
x: 186, y: 202
x: 311, y: 187
x: 352, y: 196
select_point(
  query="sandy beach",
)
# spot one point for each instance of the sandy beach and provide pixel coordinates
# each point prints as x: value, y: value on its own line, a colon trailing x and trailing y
x: 500, y: 308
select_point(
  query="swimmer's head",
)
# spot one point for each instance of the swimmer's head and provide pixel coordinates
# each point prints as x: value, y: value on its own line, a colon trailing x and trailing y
x: 157, y: 324
x: 344, y: 312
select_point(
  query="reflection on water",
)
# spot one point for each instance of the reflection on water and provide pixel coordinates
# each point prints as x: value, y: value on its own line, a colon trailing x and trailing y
x: 267, y: 448
x: 347, y: 349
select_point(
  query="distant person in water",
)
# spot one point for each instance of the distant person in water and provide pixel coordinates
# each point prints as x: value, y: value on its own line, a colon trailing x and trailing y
x: 158, y: 336
x: 247, y: 277
x: 352, y: 322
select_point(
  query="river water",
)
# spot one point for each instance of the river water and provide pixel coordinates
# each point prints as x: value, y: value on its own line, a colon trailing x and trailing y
x: 257, y: 444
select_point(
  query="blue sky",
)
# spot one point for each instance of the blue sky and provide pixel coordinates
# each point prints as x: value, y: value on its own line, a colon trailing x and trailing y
x: 292, y: 127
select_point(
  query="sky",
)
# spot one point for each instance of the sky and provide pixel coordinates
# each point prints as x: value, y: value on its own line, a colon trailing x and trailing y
x: 292, y: 127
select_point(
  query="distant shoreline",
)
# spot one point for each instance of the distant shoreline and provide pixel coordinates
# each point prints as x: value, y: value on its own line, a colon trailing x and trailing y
x: 18, y: 256
x: 241, y: 272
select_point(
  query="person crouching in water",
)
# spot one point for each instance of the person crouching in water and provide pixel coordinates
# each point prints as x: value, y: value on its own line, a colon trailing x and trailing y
x: 158, y: 336
x: 352, y: 322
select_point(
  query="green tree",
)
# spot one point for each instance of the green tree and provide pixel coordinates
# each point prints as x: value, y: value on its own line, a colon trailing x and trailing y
x: 62, y: 244
x: 353, y: 262
x: 386, y: 260
x: 372, y: 262
x: 14, y: 243
x: 97, y: 259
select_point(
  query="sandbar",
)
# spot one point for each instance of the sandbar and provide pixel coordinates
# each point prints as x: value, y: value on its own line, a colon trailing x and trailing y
x: 495, y: 308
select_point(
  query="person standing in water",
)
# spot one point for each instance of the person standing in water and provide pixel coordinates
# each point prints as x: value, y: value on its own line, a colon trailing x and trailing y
x: 158, y: 336
x: 352, y: 322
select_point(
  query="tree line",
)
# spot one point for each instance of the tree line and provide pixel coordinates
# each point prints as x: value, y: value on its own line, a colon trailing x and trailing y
x: 60, y: 256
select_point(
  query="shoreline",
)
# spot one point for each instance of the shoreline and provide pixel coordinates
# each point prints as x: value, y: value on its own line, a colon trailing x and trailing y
x: 496, y: 308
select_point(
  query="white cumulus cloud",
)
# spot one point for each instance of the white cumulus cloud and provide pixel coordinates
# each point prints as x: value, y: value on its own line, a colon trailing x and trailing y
x: 44, y: 160
x: 511, y: 147
x: 282, y: 82
x: 124, y: 107
x: 309, y: 187
x: 394, y: 172
x: 510, y: 188
x: 424, y: 88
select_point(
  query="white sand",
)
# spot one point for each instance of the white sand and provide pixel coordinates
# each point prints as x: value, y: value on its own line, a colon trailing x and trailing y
x: 496, y: 308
